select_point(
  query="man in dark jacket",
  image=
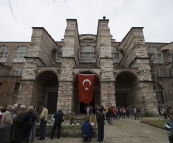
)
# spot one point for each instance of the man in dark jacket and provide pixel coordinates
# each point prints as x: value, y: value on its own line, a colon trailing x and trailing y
x: 58, y: 120
x: 100, y: 122
x: 87, y: 130
x: 27, y: 122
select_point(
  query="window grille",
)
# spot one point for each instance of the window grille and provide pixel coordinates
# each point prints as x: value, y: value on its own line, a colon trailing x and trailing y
x: 156, y: 54
x: 20, y: 53
x: 117, y: 56
x: 3, y: 53
x: 87, y: 54
x: 59, y: 54
x: 17, y: 72
x: 170, y: 55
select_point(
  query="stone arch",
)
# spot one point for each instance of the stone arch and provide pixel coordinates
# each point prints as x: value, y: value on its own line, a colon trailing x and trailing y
x: 129, y: 71
x: 124, y: 86
x: 78, y: 107
x: 46, y: 89
x: 81, y: 71
x: 52, y: 70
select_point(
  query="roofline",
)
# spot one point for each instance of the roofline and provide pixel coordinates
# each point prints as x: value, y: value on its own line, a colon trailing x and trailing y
x: 46, y: 32
x: 15, y: 42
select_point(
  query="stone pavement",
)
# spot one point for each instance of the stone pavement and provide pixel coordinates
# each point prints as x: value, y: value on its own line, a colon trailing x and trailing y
x: 123, y: 131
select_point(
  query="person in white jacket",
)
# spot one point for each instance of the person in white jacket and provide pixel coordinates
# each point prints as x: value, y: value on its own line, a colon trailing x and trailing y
x: 5, y: 125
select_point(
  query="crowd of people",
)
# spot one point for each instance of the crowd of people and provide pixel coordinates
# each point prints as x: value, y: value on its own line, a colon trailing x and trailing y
x: 18, y: 124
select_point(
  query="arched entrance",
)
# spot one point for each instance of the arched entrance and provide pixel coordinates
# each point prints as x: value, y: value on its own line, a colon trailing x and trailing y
x: 48, y: 84
x: 78, y: 107
x: 123, y: 87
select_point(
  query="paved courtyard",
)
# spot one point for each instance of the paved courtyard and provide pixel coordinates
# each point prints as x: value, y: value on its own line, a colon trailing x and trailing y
x: 123, y: 131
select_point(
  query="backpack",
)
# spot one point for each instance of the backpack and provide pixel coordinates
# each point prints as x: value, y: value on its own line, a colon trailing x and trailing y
x: 30, y: 122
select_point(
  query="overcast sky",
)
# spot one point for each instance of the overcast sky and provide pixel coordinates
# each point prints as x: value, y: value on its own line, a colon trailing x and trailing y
x: 156, y: 16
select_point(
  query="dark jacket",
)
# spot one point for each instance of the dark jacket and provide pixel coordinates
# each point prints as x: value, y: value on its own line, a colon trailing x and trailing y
x: 58, y: 117
x: 27, y: 117
x: 110, y: 113
x: 86, y: 128
x: 19, y: 117
x: 100, y: 119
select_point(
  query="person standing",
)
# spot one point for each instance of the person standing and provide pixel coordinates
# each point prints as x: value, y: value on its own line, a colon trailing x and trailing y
x: 135, y: 112
x: 57, y: 123
x: 43, y: 118
x: 88, y: 110
x: 17, y: 126
x: 27, y: 122
x: 170, y: 125
x: 110, y: 115
x: 5, y: 126
x: 33, y: 129
x: 100, y: 122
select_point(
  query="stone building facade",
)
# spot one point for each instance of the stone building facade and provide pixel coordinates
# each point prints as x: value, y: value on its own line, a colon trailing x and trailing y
x: 128, y: 73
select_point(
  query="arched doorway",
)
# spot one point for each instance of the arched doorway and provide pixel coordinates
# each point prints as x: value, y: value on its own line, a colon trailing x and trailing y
x: 78, y: 107
x: 48, y: 84
x: 123, y: 87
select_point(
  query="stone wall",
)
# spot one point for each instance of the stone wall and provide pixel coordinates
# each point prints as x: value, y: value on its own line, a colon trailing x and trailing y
x: 7, y: 84
x: 65, y: 93
x: 106, y: 64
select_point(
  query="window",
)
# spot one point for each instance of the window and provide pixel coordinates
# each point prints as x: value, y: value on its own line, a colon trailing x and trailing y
x: 59, y: 54
x: 170, y: 55
x: 16, y: 90
x: 158, y: 72
x: 3, y: 54
x: 117, y: 56
x: 20, y: 53
x: 159, y: 94
x: 155, y: 55
x: 88, y: 54
x: 17, y: 72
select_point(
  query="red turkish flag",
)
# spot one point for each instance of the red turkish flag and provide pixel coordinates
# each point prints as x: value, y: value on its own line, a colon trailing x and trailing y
x: 86, y: 87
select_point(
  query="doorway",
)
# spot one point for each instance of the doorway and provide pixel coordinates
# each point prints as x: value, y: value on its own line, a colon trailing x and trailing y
x: 78, y: 107
x: 121, y: 99
x: 52, y: 102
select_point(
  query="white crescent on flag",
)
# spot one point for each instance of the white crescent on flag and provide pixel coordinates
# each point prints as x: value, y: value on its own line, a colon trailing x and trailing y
x: 86, y: 80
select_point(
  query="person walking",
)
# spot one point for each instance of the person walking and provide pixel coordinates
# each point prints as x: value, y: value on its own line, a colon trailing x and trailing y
x: 43, y: 118
x: 33, y: 129
x: 5, y: 125
x: 58, y: 120
x: 100, y: 122
x: 110, y: 115
x: 123, y: 112
x: 114, y: 110
x: 127, y: 112
x: 135, y: 112
x: 27, y: 123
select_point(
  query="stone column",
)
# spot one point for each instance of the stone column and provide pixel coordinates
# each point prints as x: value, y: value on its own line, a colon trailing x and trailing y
x: 106, y: 64
x: 65, y: 93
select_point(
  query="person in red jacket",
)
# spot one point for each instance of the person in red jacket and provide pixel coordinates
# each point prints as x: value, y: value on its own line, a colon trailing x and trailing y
x: 114, y: 110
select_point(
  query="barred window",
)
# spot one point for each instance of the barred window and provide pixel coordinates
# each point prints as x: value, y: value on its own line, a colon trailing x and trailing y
x: 117, y: 56
x: 155, y: 54
x: 159, y: 94
x: 3, y: 53
x: 17, y: 72
x: 170, y: 55
x: 59, y: 54
x: 159, y: 72
x: 88, y: 54
x: 20, y: 53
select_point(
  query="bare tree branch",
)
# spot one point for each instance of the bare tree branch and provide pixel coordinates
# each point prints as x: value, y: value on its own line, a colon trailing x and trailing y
x: 12, y: 11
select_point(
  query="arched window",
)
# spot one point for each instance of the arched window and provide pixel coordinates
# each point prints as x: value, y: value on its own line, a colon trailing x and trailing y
x: 20, y: 53
x: 59, y: 54
x: 16, y: 90
x: 117, y: 56
x: 3, y: 53
x: 170, y: 55
x: 17, y: 72
x: 88, y: 54
x: 159, y: 94
x: 155, y: 54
